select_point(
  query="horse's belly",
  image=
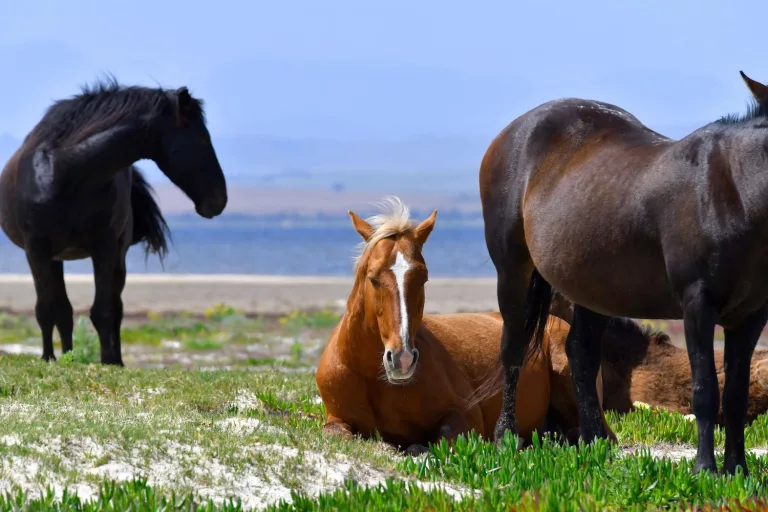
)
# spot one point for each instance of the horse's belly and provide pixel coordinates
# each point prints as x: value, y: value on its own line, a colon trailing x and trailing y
x: 70, y: 254
x: 609, y: 277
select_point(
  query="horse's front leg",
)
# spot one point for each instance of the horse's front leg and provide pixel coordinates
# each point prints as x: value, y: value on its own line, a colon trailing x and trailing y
x: 48, y: 277
x: 338, y: 427
x: 699, y: 317
x: 583, y: 346
x: 450, y: 426
x: 739, y: 345
x: 454, y: 424
x: 107, y: 310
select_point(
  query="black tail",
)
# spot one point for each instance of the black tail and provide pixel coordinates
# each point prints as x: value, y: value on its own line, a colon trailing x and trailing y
x: 536, y: 312
x: 149, y: 226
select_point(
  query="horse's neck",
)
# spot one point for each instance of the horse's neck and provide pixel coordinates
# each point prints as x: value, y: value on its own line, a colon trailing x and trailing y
x: 359, y: 343
x: 104, y: 153
x: 749, y: 173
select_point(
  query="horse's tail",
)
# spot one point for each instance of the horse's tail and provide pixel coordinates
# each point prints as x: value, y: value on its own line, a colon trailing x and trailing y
x: 536, y: 313
x: 489, y: 387
x: 149, y: 226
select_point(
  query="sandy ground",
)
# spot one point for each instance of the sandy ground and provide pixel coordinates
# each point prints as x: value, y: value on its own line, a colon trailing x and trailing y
x: 256, y: 475
x: 250, y: 293
x: 263, y: 294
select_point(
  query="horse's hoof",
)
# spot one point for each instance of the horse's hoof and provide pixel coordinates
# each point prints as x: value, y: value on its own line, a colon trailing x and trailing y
x: 730, y: 468
x: 416, y: 449
x: 48, y: 358
x: 699, y: 467
x: 501, y: 428
x: 108, y: 362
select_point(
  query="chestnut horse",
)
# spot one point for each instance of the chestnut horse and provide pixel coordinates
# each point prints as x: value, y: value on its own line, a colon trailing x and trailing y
x: 580, y: 197
x: 416, y: 378
x: 71, y: 192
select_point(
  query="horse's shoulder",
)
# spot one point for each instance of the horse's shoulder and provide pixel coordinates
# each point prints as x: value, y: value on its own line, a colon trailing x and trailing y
x: 330, y: 364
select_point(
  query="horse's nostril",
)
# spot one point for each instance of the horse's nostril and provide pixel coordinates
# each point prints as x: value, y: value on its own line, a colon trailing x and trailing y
x: 389, y: 356
x: 415, y: 356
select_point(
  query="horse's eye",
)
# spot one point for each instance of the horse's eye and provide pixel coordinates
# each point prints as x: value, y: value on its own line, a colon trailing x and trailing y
x: 374, y: 282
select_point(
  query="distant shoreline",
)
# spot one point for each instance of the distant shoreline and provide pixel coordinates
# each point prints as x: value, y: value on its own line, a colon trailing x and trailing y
x: 257, y: 294
x: 320, y: 220
x: 237, y: 279
x: 251, y: 293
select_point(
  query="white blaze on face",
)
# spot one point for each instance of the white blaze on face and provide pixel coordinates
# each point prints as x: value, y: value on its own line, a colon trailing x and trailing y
x: 399, y: 269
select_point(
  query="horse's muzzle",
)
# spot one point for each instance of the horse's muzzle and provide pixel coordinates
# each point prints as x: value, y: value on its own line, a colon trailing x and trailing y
x: 212, y: 207
x: 400, y: 365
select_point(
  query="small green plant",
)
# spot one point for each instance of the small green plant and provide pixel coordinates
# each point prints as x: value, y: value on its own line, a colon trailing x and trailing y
x: 85, y: 344
x: 298, y: 319
x: 203, y: 344
x: 221, y: 311
x: 132, y: 495
x: 296, y: 351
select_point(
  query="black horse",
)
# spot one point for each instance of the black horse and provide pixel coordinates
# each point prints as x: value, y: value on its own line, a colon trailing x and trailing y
x: 71, y: 192
x: 580, y: 197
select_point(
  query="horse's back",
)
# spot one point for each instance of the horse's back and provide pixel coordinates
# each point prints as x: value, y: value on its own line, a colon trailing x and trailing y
x: 531, y: 155
x: 576, y: 184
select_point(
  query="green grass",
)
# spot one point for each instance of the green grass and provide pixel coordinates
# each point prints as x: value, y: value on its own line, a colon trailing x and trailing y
x: 220, y: 324
x: 222, y: 337
x: 192, y: 435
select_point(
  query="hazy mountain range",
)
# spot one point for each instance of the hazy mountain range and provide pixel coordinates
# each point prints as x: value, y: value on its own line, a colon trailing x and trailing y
x: 281, y: 174
x: 302, y: 136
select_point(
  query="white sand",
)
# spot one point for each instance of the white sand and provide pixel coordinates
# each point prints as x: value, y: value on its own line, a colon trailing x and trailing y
x: 250, y: 293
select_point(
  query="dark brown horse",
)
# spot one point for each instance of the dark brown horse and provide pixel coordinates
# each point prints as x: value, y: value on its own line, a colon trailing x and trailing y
x: 71, y: 192
x: 580, y: 197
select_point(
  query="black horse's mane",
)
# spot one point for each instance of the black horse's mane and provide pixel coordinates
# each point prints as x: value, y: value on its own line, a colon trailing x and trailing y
x: 103, y: 104
x: 755, y: 110
x: 626, y: 342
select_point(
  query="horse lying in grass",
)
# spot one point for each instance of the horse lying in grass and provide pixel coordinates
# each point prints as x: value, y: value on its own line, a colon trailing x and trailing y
x: 71, y: 192
x: 640, y: 365
x: 416, y: 378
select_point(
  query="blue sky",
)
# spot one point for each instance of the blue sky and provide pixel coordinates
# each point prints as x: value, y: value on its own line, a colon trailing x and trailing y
x: 352, y: 70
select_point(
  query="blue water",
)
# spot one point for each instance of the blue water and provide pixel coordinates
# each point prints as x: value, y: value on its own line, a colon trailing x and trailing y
x: 451, y: 251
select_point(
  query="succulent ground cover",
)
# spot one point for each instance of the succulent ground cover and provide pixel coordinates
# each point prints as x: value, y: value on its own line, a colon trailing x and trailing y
x: 221, y: 412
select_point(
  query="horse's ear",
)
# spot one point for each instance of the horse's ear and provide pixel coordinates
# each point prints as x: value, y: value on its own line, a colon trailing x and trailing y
x: 758, y: 90
x: 183, y: 98
x: 423, y: 230
x: 363, y: 228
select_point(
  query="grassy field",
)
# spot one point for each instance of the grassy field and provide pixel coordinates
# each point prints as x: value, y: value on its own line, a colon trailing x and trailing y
x: 222, y: 413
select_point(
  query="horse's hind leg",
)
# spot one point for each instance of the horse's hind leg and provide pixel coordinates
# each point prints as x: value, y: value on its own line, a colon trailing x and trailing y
x: 64, y: 313
x: 583, y: 347
x: 512, y: 288
x: 48, y: 276
x: 739, y: 346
